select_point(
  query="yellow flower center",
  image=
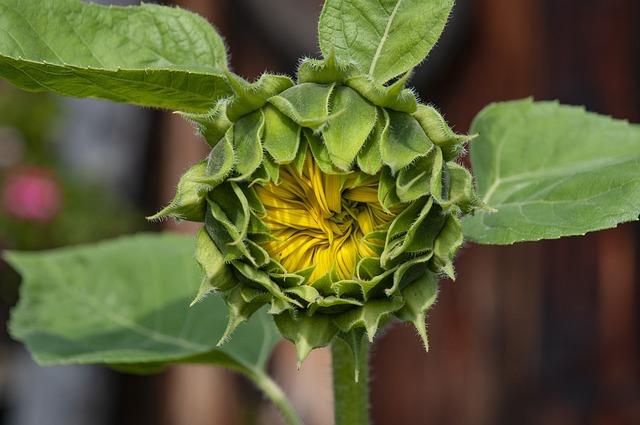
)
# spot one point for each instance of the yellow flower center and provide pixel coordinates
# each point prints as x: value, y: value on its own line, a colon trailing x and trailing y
x: 320, y: 219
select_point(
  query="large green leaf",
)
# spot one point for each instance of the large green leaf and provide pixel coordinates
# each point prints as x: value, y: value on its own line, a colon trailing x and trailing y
x: 126, y: 302
x: 147, y: 55
x: 384, y: 37
x: 552, y: 171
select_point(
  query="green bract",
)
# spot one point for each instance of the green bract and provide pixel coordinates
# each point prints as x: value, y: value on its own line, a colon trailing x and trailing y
x: 345, y: 123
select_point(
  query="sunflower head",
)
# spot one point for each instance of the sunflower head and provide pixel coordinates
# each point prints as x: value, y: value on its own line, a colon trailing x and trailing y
x: 318, y: 222
x: 334, y: 201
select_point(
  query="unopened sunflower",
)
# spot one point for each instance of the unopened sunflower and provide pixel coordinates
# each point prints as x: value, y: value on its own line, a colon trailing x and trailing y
x: 333, y: 200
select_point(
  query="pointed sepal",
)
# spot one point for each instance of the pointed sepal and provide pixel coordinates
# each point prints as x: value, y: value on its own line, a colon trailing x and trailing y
x: 413, y: 231
x: 306, y: 104
x: 440, y: 133
x: 405, y: 141
x: 249, y: 97
x: 387, y: 195
x: 370, y: 317
x: 239, y: 312
x: 419, y: 296
x: 306, y: 332
x: 446, y: 247
x: 220, y: 162
x: 325, y: 71
x: 217, y: 274
x: 211, y: 125
x: 254, y: 276
x: 395, y: 96
x: 247, y: 144
x: 353, y: 119
x: 189, y: 202
x: 462, y: 195
x: 369, y: 158
x: 320, y: 153
x: 281, y: 136
x: 423, y: 177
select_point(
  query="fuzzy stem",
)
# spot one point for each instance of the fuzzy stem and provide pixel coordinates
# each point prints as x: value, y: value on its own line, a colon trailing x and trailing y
x: 351, y: 398
x: 275, y: 394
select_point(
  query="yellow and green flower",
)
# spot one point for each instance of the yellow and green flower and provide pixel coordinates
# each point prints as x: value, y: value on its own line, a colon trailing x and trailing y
x: 333, y: 200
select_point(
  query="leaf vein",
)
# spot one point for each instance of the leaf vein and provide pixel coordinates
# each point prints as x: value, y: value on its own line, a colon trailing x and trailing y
x: 383, y: 40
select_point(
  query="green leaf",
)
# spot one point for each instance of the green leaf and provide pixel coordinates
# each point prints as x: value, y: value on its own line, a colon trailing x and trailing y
x: 552, y: 171
x: 385, y: 38
x: 126, y: 302
x: 146, y: 55
x: 352, y: 122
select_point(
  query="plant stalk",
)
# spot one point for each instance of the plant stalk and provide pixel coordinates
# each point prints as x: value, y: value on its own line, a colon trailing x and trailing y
x: 351, y: 398
x: 275, y: 394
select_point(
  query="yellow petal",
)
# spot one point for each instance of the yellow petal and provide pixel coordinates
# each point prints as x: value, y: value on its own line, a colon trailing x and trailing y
x: 321, y: 220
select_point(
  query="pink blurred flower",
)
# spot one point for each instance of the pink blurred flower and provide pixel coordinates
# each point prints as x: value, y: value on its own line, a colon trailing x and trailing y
x: 31, y: 194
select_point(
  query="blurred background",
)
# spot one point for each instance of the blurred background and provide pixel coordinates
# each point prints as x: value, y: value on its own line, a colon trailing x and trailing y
x: 539, y: 333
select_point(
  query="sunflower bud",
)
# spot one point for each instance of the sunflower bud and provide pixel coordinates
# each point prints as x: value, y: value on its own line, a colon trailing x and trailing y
x: 334, y: 201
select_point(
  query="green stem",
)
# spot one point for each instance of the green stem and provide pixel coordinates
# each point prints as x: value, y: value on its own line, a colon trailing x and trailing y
x: 351, y: 398
x: 275, y: 394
